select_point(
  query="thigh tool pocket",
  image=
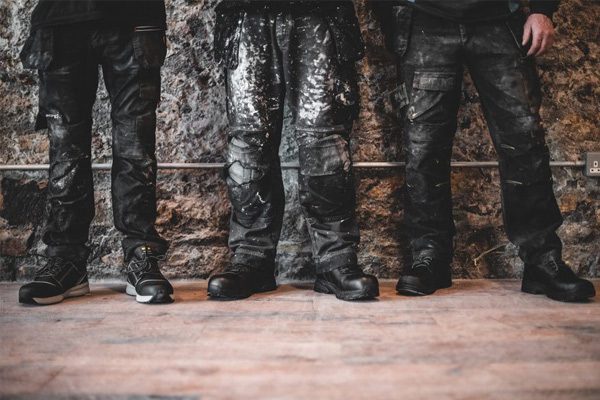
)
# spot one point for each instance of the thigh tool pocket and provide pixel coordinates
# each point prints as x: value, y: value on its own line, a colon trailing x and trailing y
x: 429, y: 90
x: 150, y: 47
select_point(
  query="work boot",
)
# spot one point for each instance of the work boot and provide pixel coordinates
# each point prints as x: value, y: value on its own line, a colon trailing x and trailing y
x: 348, y: 283
x: 552, y: 277
x: 427, y: 274
x: 58, y: 279
x: 240, y: 281
x: 144, y: 279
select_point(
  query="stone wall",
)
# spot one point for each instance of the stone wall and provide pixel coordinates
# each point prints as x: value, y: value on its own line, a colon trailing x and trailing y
x: 193, y: 206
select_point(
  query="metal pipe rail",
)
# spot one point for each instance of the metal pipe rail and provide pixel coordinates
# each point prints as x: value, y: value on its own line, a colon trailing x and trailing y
x: 358, y: 165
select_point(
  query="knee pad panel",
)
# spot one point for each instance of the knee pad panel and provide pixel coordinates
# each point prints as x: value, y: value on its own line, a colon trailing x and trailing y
x: 69, y: 142
x: 327, y: 156
x: 326, y: 179
x: 246, y: 163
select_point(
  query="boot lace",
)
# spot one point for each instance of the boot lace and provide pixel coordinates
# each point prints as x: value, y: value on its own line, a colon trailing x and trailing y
x: 561, y: 268
x: 348, y: 269
x: 54, y: 265
x: 240, y: 269
x: 422, y: 262
x: 147, y: 264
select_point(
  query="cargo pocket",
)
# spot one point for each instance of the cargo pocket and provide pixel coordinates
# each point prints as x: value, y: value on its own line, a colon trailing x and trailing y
x: 38, y: 51
x: 150, y: 47
x: 429, y: 89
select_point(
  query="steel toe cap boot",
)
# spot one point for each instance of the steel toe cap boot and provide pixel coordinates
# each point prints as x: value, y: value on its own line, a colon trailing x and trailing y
x: 552, y: 277
x: 145, y: 281
x: 426, y: 275
x: 241, y: 281
x: 348, y: 283
x: 58, y: 279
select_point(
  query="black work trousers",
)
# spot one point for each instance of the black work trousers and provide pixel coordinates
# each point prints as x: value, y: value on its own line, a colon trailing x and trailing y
x: 67, y: 58
x: 290, y: 56
x: 509, y: 90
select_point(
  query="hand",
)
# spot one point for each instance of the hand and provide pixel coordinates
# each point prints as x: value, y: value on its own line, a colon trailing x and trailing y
x: 539, y: 30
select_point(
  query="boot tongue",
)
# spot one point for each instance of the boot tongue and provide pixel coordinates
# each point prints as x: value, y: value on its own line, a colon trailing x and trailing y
x: 143, y: 252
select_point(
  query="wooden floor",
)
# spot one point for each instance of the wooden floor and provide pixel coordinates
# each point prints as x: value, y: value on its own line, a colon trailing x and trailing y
x: 478, y: 340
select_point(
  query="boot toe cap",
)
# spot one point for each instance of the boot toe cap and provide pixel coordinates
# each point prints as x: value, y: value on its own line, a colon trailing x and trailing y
x: 366, y: 282
x: 29, y: 292
x: 226, y: 286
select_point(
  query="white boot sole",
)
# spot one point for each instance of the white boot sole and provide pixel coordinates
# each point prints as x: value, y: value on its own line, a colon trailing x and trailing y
x: 130, y: 290
x: 76, y: 291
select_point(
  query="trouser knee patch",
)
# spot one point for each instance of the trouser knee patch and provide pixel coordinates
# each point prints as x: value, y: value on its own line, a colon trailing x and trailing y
x: 326, y: 180
x: 246, y: 163
x: 327, y: 156
x: 69, y: 142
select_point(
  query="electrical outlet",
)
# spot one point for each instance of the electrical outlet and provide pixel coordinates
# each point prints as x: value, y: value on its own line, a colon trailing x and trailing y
x: 592, y: 164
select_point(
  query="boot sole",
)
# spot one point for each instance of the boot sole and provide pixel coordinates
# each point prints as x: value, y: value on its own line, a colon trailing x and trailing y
x: 568, y: 296
x: 411, y: 286
x: 76, y: 291
x: 224, y: 295
x: 326, y: 287
x: 157, y: 298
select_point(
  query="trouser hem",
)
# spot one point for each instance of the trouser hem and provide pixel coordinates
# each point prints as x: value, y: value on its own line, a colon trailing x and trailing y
x: 158, y: 246
x: 328, y: 263
x: 77, y: 252
x: 261, y: 262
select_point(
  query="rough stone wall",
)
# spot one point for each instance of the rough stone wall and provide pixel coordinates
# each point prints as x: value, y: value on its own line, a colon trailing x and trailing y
x: 193, y: 205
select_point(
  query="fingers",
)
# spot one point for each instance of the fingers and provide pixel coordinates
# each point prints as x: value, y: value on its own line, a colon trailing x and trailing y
x: 539, y: 31
x: 536, y: 43
x: 546, y: 44
x: 526, y: 33
x: 543, y: 46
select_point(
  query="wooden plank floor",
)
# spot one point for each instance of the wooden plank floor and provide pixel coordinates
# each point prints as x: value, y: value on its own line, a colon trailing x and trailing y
x: 478, y: 340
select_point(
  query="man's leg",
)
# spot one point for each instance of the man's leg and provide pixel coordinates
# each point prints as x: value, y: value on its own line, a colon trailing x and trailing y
x: 323, y: 97
x: 255, y: 107
x: 131, y: 64
x: 67, y: 93
x: 510, y: 93
x: 432, y: 72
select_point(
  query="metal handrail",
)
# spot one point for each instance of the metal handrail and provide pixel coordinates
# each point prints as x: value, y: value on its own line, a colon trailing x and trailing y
x: 359, y: 165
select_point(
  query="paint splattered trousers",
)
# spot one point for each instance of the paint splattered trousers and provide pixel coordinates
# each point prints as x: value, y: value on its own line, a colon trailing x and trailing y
x: 67, y: 58
x: 289, y: 57
x: 509, y: 90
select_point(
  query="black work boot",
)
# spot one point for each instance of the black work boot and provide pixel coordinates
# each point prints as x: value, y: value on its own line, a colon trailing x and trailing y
x: 348, y: 283
x: 144, y: 279
x: 240, y: 281
x: 58, y: 279
x: 552, y: 277
x: 427, y: 274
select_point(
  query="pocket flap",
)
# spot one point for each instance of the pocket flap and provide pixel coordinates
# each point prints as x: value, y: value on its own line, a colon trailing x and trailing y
x: 434, y: 81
